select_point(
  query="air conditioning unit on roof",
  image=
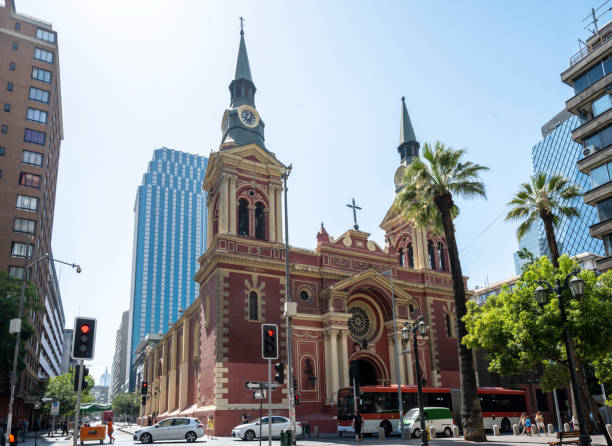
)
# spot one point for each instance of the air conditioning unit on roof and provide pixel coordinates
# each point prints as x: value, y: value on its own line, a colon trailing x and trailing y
x: 588, y: 150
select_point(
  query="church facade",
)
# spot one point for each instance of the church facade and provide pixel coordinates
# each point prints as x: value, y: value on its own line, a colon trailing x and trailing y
x: 344, y: 301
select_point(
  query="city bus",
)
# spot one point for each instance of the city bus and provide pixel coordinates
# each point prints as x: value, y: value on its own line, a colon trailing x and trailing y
x: 378, y: 406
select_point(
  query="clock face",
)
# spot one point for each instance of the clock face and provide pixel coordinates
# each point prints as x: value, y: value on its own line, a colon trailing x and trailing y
x: 248, y: 118
x: 225, y: 121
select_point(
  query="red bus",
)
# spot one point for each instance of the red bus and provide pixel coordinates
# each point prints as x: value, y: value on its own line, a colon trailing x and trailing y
x: 378, y: 406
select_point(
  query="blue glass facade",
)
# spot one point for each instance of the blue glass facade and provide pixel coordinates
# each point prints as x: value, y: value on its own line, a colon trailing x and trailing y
x: 558, y: 153
x: 169, y: 236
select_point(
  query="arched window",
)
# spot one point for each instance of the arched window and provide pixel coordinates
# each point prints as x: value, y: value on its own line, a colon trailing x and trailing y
x: 243, y: 217
x: 431, y: 254
x: 260, y: 222
x: 253, y: 306
x: 441, y: 261
x: 400, y: 256
x: 410, y: 256
x: 449, y: 326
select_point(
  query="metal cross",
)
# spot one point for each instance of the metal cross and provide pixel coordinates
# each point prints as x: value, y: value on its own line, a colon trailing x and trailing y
x: 241, y: 24
x: 354, y: 207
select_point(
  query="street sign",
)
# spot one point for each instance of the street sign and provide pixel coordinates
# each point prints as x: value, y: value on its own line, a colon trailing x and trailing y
x: 257, y: 385
x: 55, y: 408
x: 37, y: 405
x: 259, y: 395
x: 31, y: 399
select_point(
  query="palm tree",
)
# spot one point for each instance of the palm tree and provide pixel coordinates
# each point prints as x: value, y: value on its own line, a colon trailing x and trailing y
x: 544, y: 197
x: 427, y: 200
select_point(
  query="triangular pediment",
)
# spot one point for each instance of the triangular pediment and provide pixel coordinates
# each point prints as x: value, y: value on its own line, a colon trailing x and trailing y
x: 367, y: 278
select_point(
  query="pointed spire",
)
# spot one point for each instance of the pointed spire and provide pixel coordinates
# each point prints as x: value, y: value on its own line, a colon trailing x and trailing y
x: 243, y: 70
x: 406, y: 130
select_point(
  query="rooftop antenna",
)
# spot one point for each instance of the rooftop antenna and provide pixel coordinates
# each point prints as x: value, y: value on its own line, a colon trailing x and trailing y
x: 594, y: 18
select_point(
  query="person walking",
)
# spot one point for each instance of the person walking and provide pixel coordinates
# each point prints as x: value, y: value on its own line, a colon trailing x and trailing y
x: 521, y: 425
x: 539, y: 419
x: 210, y: 427
x: 357, y: 424
x: 110, y: 431
x: 244, y: 419
x: 65, y: 428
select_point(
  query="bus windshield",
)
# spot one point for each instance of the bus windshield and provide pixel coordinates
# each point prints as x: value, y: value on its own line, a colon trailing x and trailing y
x: 345, y: 405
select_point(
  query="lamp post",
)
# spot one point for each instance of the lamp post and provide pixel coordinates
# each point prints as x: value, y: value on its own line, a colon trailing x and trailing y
x: 397, y: 353
x: 542, y: 292
x: 9, y: 418
x: 420, y: 326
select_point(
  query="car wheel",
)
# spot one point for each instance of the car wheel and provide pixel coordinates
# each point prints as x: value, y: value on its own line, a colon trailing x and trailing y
x: 191, y: 437
x: 387, y: 427
x: 146, y: 438
x: 249, y: 435
x: 448, y: 432
x: 505, y: 425
x: 417, y: 433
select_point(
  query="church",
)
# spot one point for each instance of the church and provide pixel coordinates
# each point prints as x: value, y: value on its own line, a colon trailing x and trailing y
x: 344, y: 301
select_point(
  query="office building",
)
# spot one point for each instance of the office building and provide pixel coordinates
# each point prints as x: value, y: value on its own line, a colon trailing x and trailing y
x: 169, y: 236
x: 104, y: 378
x: 117, y: 384
x: 30, y: 137
x: 590, y: 75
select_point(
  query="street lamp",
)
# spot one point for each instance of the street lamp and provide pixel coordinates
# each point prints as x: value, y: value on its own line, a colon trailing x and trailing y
x: 542, y: 293
x: 26, y: 265
x: 421, y: 327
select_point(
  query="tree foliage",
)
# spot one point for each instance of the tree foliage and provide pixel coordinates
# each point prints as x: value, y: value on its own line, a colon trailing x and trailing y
x: 126, y: 403
x: 61, y: 388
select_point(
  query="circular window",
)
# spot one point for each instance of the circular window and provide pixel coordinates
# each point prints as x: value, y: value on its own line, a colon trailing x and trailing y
x: 305, y: 295
x: 359, y: 324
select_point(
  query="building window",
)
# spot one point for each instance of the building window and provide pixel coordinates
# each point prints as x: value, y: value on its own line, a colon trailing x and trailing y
x: 431, y: 254
x: 15, y: 46
x: 7, y: 107
x: 47, y: 36
x: 19, y: 249
x: 601, y: 105
x: 253, y: 306
x: 601, y: 139
x: 39, y: 95
x: 604, y: 209
x: 27, y: 203
x: 45, y: 56
x: 9, y: 86
x: 29, y: 179
x: 2, y: 149
x: 35, y: 137
x: 4, y: 129
x: 16, y: 271
x: 601, y: 175
x: 449, y: 325
x: 41, y: 75
x: 12, y: 66
x: 400, y: 257
x: 305, y: 296
x: 17, y: 26
x: 607, y: 240
x: 587, y: 79
x: 23, y: 225
x: 33, y: 158
x: 410, y: 256
x: 260, y: 222
x: 243, y: 217
x: 36, y: 115
x: 441, y: 256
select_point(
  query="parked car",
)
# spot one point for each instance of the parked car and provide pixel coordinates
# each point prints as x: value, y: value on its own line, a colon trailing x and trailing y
x: 189, y: 429
x: 250, y: 431
x: 441, y: 418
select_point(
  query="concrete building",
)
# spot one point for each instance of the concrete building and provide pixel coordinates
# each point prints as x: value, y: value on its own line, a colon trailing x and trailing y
x: 30, y: 136
x: 120, y: 364
x: 100, y: 393
x: 169, y: 235
x: 590, y: 75
x: 67, y: 361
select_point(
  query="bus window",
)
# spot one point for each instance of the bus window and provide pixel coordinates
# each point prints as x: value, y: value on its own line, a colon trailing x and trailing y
x: 438, y: 400
x: 409, y: 401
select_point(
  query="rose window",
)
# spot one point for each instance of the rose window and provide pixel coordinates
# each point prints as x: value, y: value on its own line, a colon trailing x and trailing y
x: 359, y: 324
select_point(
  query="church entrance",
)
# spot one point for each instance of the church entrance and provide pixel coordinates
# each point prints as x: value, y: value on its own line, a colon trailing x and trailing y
x: 367, y: 375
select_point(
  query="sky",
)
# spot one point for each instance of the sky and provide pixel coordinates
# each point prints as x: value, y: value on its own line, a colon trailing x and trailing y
x: 142, y: 74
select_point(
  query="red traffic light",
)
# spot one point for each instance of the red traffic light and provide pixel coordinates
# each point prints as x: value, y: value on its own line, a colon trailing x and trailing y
x: 85, y: 328
x: 270, y: 332
x: 144, y: 384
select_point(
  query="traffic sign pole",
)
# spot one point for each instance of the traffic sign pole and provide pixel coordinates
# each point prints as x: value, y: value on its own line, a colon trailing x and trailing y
x: 269, y: 402
x: 77, y: 407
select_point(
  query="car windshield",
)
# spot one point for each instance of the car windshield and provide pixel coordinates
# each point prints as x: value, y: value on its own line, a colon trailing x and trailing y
x: 412, y: 414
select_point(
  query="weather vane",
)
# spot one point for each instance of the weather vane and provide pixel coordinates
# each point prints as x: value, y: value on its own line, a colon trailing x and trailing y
x: 241, y: 24
x: 354, y: 207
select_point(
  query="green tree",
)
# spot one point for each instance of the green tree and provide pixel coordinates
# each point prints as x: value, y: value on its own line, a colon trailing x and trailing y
x: 544, y: 198
x: 126, y: 404
x: 61, y: 388
x: 430, y: 183
x: 519, y: 336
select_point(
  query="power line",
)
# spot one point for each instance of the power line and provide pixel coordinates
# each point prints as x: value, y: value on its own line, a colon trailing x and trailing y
x: 483, y: 231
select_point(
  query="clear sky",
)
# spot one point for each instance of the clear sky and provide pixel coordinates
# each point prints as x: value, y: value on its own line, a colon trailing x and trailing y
x: 141, y: 74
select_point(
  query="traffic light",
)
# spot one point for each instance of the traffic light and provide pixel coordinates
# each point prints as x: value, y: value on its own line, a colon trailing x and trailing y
x: 144, y: 400
x: 76, y: 378
x: 83, y: 338
x: 144, y: 388
x: 84, y: 381
x: 279, y: 376
x: 296, y: 400
x: 294, y: 385
x: 269, y: 341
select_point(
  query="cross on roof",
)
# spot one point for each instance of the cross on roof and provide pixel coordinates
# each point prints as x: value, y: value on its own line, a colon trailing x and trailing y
x: 354, y: 207
x: 241, y: 24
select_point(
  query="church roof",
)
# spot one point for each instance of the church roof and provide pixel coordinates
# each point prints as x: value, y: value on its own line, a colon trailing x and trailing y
x: 243, y: 70
x: 406, y: 130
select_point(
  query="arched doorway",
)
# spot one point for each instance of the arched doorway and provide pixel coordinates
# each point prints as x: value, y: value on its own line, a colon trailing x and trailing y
x: 367, y: 374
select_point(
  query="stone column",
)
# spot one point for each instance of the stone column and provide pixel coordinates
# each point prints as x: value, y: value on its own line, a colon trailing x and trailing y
x: 223, y: 206
x: 391, y: 346
x: 163, y: 381
x: 172, y: 374
x: 184, y: 367
x: 272, y: 214
x: 344, y: 358
x: 408, y: 364
x: 328, y: 367
x: 209, y: 221
x: 232, y: 206
x: 333, y: 340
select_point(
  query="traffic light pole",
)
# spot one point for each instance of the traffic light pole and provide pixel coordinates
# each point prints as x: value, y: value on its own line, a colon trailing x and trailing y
x: 77, y: 407
x: 269, y: 403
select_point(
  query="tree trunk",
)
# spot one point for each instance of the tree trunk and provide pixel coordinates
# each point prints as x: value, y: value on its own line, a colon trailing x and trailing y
x: 592, y: 404
x: 547, y: 218
x: 473, y: 428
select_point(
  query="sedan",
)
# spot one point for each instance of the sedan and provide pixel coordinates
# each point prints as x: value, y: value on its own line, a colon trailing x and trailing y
x: 189, y: 429
x: 250, y: 431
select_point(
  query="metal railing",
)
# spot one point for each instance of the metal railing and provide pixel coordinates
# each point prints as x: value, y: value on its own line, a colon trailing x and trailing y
x: 583, y: 52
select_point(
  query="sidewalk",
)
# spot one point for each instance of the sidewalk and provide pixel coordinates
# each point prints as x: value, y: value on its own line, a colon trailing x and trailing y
x: 128, y: 428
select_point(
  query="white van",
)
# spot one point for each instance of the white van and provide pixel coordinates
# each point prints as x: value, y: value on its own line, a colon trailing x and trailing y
x: 441, y: 418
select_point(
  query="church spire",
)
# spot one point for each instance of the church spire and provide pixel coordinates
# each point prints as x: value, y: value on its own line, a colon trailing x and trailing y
x: 243, y: 70
x: 408, y: 145
x: 242, y: 87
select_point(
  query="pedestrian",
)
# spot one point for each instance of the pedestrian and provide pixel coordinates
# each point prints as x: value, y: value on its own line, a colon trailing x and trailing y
x: 110, y: 431
x: 149, y: 420
x: 65, y: 428
x: 539, y: 419
x: 244, y: 419
x: 357, y: 424
x: 210, y: 426
x: 528, y: 425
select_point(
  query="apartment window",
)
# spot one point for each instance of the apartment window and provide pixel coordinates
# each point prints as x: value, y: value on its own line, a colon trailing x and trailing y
x: 607, y: 239
x: 27, y: 203
x: 36, y: 115
x: 29, y: 179
x: 16, y: 271
x: 44, y: 55
x: 17, y: 26
x: 594, y: 74
x: 36, y: 94
x: 33, y: 158
x: 2, y: 149
x: 47, y: 36
x: 12, y: 66
x: 23, y: 225
x: 7, y: 107
x: 35, y: 137
x: 601, y: 175
x: 15, y: 46
x: 41, y: 75
x: 4, y: 129
x: 9, y: 86
x: 19, y: 249
x: 601, y: 139
x: 604, y: 209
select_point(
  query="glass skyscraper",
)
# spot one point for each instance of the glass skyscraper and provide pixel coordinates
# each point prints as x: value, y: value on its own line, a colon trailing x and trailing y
x: 558, y: 153
x: 169, y: 236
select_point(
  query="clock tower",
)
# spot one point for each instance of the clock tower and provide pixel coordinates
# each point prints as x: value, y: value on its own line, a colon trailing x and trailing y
x: 241, y: 123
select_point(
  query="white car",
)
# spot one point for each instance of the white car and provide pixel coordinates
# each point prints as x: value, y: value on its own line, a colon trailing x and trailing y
x: 250, y: 431
x: 189, y: 429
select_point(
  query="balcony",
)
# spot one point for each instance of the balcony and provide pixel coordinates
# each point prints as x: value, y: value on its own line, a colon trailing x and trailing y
x: 586, y: 96
x: 580, y: 61
x: 593, y: 126
x: 604, y: 264
x: 598, y: 194
x: 598, y: 230
x: 588, y: 163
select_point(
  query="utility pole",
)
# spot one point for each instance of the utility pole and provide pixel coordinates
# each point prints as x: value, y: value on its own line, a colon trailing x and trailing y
x: 77, y: 406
